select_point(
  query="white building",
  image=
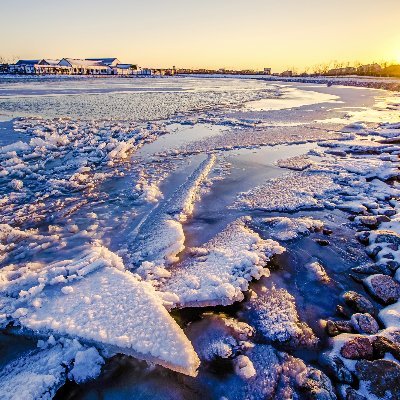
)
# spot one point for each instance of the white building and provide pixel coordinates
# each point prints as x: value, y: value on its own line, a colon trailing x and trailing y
x: 48, y: 66
x: 74, y: 66
x: 85, y: 67
x: 125, y: 69
x: 23, y: 67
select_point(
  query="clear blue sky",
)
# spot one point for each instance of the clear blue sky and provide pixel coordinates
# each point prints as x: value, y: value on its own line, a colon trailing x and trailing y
x: 203, y: 33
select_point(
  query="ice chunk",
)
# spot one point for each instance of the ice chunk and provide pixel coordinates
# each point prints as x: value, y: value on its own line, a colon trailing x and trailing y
x: 244, y: 367
x: 291, y: 192
x: 160, y: 238
x: 87, y: 365
x: 38, y: 374
x: 17, y: 147
x: 274, y: 315
x: 317, y: 271
x: 147, y: 190
x: 360, y: 147
x: 284, y: 228
x: 218, y: 336
x: 297, y: 163
x: 222, y: 268
x: 113, y: 309
x: 93, y: 298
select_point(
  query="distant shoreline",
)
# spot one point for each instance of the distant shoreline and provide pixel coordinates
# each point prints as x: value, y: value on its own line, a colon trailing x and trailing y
x: 385, y: 83
x: 392, y: 84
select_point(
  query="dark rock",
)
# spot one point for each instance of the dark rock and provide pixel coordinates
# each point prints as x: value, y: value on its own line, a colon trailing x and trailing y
x: 364, y: 323
x: 368, y: 269
x: 383, y: 287
x: 390, y: 213
x: 382, y: 378
x: 316, y: 385
x: 327, y: 231
x: 357, y: 348
x: 382, y: 218
x: 351, y: 394
x: 341, y: 311
x: 394, y: 336
x: 383, y: 236
x: 363, y: 237
x: 383, y: 268
x: 383, y: 345
x: 322, y: 242
x: 369, y: 220
x: 388, y: 256
x: 336, y: 368
x: 373, y: 251
x: 335, y: 328
x: 393, y: 265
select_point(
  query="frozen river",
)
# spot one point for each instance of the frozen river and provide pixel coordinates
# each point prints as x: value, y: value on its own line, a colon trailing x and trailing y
x: 193, y: 237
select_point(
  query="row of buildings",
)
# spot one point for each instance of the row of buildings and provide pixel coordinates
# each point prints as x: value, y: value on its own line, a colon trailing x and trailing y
x: 74, y: 66
x: 105, y: 66
x: 221, y: 71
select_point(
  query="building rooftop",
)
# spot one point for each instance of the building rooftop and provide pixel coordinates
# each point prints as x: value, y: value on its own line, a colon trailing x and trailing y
x: 48, y: 61
x: 27, y: 62
x: 105, y: 61
x: 84, y: 63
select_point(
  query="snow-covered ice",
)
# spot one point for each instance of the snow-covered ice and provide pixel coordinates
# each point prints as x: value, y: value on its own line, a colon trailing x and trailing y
x: 291, y: 192
x: 137, y: 216
x: 38, y: 374
x: 83, y: 305
x: 160, y: 237
x: 220, y: 270
x: 284, y: 228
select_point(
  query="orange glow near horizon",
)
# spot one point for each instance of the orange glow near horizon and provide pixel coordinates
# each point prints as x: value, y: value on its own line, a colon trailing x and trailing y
x: 207, y: 34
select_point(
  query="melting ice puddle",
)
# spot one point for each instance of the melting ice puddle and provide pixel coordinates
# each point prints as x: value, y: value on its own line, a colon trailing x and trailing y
x: 11, y: 346
x: 179, y: 135
x: 291, y: 98
x: 7, y: 133
x: 250, y: 167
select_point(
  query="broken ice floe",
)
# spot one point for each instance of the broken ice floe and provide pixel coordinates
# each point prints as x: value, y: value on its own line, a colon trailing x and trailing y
x: 273, y: 313
x: 239, y: 138
x: 297, y: 163
x: 259, y: 371
x: 220, y: 270
x: 218, y: 336
x: 60, y: 159
x: 37, y: 374
x: 160, y: 237
x: 291, y: 192
x: 91, y: 298
x: 284, y: 228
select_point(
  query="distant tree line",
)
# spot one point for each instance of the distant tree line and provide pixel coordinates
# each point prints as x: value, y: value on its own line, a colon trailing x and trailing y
x: 336, y: 68
x: 4, y: 62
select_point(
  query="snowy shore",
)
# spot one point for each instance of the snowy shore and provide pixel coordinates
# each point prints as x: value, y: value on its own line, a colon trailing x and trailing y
x: 392, y: 84
x: 243, y: 242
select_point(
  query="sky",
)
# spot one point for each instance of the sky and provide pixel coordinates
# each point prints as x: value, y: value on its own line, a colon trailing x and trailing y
x: 250, y: 34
